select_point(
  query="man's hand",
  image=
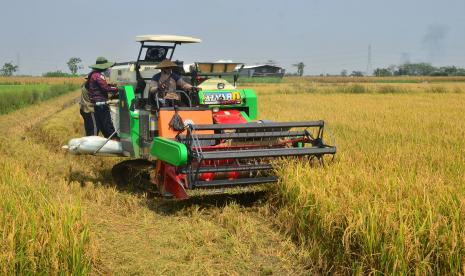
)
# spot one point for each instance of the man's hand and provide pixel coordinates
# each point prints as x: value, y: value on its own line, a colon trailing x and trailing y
x: 114, y: 96
x: 172, y: 96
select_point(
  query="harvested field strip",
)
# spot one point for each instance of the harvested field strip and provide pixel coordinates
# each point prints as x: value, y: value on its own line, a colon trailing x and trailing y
x: 120, y: 231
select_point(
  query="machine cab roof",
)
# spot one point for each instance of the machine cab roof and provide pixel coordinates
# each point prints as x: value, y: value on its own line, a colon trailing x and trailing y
x: 177, y: 39
x: 152, y: 52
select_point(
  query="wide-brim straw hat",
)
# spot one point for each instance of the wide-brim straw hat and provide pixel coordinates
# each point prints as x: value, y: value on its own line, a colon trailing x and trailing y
x: 166, y: 63
x: 102, y: 64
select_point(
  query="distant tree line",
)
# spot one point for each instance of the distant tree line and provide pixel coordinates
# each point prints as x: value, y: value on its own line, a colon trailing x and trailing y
x: 57, y: 73
x: 406, y: 69
x: 73, y: 65
x: 419, y: 69
x: 8, y: 69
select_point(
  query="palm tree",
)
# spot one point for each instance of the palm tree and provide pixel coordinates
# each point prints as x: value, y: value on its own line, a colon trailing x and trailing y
x: 300, y: 68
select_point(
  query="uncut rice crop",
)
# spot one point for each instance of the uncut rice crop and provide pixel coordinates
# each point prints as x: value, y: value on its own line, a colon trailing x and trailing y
x: 39, y: 80
x: 13, y: 97
x: 39, y: 233
x: 397, y: 79
x: 393, y: 201
x: 42, y: 228
x: 299, y: 87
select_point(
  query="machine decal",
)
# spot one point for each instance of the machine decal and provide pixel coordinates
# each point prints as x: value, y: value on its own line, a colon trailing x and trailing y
x: 222, y: 98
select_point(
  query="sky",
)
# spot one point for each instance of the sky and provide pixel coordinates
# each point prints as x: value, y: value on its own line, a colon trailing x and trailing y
x: 326, y: 35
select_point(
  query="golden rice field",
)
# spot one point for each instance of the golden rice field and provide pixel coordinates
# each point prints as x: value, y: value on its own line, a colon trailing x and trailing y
x: 392, y: 202
x: 394, y: 199
x: 396, y: 79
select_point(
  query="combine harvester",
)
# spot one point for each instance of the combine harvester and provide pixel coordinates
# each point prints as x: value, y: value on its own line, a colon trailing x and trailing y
x: 219, y: 146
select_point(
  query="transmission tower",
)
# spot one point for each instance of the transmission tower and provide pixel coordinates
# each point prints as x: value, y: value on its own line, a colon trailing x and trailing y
x: 18, y: 59
x: 369, y: 71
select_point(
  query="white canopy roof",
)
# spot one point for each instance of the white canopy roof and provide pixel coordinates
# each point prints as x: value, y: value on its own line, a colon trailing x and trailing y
x: 167, y: 38
x: 259, y: 65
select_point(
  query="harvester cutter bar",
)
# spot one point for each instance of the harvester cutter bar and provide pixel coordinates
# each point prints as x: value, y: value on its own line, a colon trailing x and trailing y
x: 248, y: 135
x: 280, y: 144
x: 241, y: 168
x: 259, y: 126
x: 268, y: 152
x: 235, y: 182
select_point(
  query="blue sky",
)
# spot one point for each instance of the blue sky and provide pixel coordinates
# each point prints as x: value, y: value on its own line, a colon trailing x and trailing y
x: 327, y: 36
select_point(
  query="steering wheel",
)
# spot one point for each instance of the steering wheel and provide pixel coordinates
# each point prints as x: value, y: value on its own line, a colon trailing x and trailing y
x: 177, y: 91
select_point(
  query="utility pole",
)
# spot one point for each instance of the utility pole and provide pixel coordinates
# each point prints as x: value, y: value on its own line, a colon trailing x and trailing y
x: 369, y: 71
x: 18, y: 59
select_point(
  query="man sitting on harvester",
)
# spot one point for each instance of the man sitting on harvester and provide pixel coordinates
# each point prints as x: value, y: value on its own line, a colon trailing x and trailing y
x: 165, y: 83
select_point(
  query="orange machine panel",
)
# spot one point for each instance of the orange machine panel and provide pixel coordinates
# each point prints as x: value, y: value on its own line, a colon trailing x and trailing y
x: 196, y: 116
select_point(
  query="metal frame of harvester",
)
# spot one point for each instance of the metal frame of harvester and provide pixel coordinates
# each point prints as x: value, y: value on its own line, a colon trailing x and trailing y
x: 221, y: 145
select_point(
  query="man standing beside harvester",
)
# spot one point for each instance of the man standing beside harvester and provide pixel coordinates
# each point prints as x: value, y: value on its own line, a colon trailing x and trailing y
x: 98, y: 89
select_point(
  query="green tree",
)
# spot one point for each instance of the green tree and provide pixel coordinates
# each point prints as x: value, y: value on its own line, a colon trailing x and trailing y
x: 300, y: 68
x: 460, y: 72
x: 356, y: 74
x: 8, y: 69
x: 449, y: 70
x: 57, y: 73
x: 419, y: 69
x: 416, y: 69
x: 344, y: 73
x: 382, y: 72
x: 73, y: 65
